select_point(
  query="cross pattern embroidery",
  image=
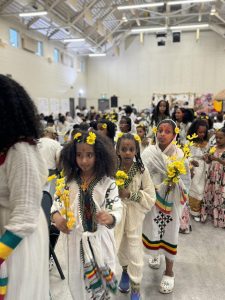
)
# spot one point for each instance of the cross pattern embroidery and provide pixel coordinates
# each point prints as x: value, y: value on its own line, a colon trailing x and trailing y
x: 162, y: 220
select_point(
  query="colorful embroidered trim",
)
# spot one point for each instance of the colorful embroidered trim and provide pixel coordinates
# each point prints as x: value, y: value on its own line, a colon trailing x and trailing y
x: 156, y: 245
x: 184, y: 196
x: 3, y: 287
x: 8, y: 243
x: 163, y: 205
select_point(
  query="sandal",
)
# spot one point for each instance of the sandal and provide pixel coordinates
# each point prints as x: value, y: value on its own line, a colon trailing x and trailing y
x: 167, y: 284
x: 154, y: 262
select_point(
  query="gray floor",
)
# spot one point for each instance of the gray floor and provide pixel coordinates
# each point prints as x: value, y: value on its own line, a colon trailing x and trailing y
x: 199, y: 269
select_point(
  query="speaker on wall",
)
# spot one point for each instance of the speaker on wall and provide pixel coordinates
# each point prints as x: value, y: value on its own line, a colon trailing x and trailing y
x: 114, y: 101
x: 176, y: 37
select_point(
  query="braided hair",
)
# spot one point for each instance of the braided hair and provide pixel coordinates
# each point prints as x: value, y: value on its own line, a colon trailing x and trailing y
x: 129, y: 136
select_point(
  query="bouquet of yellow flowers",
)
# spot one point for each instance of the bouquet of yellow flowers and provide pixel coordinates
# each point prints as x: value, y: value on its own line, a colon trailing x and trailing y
x: 62, y: 192
x: 174, y: 169
x: 120, y: 178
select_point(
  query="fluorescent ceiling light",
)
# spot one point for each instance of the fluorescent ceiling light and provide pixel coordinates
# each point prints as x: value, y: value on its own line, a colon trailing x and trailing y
x: 136, y: 6
x: 97, y: 54
x: 193, y: 26
x: 188, y: 1
x: 148, y: 29
x: 73, y: 40
x: 33, y: 14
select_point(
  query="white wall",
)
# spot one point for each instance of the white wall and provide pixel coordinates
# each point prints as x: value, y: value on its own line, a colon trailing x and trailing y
x: 141, y: 70
x: 39, y: 77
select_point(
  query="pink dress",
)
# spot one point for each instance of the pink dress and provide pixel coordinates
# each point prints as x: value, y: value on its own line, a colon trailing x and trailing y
x: 214, y: 196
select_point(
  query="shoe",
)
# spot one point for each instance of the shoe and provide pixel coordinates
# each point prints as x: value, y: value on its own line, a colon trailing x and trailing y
x: 167, y: 284
x: 135, y: 295
x: 124, y: 285
x: 154, y: 262
x: 197, y: 219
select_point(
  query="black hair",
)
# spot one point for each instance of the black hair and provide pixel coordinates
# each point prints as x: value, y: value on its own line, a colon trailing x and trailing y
x: 155, y: 115
x: 18, y: 114
x: 128, y: 121
x: 111, y: 128
x: 194, y: 128
x: 84, y: 126
x: 188, y: 115
x: 203, y: 116
x: 128, y: 109
x: 105, y: 157
x: 129, y: 136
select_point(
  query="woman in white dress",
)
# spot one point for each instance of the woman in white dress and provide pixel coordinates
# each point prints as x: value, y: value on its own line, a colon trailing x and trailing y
x: 23, y: 227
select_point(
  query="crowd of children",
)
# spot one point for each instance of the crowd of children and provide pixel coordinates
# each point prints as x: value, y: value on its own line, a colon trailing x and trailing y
x: 126, y: 184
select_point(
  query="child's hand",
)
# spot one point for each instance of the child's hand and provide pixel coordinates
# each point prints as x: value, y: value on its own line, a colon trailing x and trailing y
x: 206, y: 158
x: 104, y: 218
x: 195, y: 163
x: 60, y: 223
x: 124, y: 193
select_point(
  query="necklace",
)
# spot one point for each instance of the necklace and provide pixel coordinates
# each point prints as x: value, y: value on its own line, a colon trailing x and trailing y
x: 85, y: 182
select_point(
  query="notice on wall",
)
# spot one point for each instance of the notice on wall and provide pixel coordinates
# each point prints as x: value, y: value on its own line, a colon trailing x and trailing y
x: 43, y: 106
x: 65, y: 106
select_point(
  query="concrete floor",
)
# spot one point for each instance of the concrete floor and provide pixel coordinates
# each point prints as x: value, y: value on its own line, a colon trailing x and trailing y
x: 199, y: 269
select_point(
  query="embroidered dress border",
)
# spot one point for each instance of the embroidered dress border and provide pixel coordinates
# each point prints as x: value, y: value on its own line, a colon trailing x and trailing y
x: 163, y: 205
x: 156, y: 245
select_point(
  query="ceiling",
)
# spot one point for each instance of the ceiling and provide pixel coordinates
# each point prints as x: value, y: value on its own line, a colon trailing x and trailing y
x: 102, y: 25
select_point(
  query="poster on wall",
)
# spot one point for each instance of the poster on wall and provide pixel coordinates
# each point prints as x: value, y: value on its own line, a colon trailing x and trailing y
x: 65, y: 106
x: 42, y: 105
x: 54, y: 106
x: 180, y: 99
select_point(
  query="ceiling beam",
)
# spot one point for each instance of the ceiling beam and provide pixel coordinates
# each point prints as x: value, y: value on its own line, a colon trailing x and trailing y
x: 77, y: 18
x: 4, y: 5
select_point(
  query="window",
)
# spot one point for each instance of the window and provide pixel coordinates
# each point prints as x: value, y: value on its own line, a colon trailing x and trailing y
x: 14, y: 37
x: 39, y: 50
x: 56, y: 55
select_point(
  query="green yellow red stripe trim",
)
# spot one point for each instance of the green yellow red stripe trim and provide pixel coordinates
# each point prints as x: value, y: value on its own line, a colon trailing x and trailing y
x: 8, y: 243
x: 163, y: 205
x: 3, y: 287
x: 160, y: 244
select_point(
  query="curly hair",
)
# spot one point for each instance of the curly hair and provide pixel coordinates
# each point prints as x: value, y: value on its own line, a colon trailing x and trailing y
x: 18, y: 114
x: 155, y: 114
x: 105, y: 157
x: 129, y: 136
x: 194, y: 128
x: 111, y: 128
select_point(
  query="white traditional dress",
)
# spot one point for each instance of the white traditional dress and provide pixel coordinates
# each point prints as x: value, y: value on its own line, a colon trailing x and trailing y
x: 198, y: 181
x: 161, y: 224
x: 129, y: 232
x: 90, y: 246
x: 22, y: 176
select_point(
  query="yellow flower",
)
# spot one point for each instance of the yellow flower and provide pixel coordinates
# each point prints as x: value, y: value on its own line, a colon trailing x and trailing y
x: 104, y: 125
x: 69, y: 214
x: 137, y: 138
x: 91, y: 138
x: 121, y: 174
x: 194, y: 136
x: 50, y: 178
x: 177, y: 130
x: 212, y: 150
x: 119, y: 182
x: 154, y: 130
x: 77, y: 135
